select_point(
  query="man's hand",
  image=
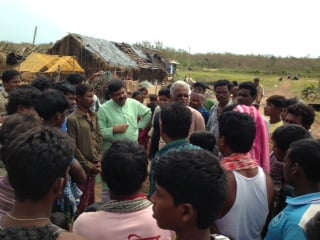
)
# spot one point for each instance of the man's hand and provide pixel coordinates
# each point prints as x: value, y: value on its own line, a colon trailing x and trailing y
x: 120, y: 128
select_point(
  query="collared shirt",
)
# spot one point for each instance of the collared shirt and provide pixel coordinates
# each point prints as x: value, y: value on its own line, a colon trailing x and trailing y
x: 87, y: 137
x: 290, y: 222
x: 111, y: 114
x: 213, y: 124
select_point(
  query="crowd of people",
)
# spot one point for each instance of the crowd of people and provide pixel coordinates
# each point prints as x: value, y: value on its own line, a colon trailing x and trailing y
x: 175, y: 166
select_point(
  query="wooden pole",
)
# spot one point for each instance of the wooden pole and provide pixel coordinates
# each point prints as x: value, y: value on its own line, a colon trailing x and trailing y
x: 34, y: 35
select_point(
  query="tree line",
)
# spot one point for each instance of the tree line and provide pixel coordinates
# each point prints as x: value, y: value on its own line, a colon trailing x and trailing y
x: 267, y: 64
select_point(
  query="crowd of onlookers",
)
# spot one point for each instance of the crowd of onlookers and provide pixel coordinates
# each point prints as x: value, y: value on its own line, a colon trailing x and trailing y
x: 175, y: 165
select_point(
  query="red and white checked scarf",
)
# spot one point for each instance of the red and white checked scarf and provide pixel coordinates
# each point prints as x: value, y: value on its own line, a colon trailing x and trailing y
x: 238, y: 161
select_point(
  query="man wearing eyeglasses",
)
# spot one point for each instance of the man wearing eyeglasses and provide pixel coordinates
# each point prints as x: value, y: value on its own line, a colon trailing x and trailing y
x: 180, y: 92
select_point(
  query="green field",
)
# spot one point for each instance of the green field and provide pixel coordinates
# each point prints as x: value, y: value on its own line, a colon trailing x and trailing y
x: 270, y: 82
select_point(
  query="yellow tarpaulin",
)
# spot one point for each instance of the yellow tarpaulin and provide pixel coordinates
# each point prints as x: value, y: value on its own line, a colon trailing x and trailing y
x: 45, y: 63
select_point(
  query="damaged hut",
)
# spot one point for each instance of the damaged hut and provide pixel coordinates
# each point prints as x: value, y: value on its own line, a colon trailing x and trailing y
x: 123, y: 60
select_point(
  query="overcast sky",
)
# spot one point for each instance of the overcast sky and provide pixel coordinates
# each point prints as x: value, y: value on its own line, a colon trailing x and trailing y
x: 267, y: 27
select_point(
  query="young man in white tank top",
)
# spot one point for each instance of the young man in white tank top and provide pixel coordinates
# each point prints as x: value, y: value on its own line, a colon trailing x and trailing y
x: 250, y: 195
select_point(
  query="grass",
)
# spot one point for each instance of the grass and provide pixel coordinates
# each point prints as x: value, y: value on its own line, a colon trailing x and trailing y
x: 269, y: 81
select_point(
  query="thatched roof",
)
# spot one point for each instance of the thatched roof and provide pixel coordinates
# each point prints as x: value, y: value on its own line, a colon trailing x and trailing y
x: 107, y: 50
x: 96, y: 54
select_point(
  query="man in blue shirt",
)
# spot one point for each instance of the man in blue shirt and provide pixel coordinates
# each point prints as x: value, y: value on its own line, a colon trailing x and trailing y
x: 301, y: 170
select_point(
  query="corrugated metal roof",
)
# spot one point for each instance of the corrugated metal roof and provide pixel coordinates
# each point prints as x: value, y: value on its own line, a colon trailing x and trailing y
x: 107, y: 50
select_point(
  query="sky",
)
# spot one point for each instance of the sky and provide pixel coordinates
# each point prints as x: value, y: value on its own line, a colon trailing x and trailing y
x: 279, y: 28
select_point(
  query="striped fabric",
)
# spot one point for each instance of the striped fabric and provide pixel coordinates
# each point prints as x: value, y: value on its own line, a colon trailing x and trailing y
x: 6, y: 195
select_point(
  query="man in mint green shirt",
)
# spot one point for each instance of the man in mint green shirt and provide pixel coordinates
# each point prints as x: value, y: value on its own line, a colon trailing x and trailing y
x: 121, y: 117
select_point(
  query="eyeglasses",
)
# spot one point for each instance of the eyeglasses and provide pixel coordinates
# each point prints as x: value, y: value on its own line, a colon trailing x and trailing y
x: 182, y: 96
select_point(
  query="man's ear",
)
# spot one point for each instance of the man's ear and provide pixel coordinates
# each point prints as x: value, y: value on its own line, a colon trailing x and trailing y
x: 221, y: 142
x: 20, y: 109
x: 188, y: 213
x: 295, y: 169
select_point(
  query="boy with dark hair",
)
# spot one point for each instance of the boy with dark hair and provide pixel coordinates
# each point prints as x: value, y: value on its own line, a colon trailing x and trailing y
x: 287, y: 103
x: 70, y: 92
x: 197, y: 102
x: 14, y: 126
x: 75, y: 79
x: 156, y: 141
x: 22, y: 99
x: 175, y: 121
x: 282, y: 137
x: 300, y: 114
x: 250, y: 195
x: 10, y: 79
x: 247, y: 93
x: 201, y: 88
x: 42, y: 83
x: 203, y: 139
x: 84, y: 129
x: 124, y: 169
x: 273, y: 109
x: 52, y: 106
x: 191, y: 189
x: 301, y: 170
x: 37, y: 181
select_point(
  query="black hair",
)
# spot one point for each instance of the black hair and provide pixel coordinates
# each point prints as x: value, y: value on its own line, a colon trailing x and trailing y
x: 203, y: 139
x: 115, y: 85
x: 153, y: 97
x: 306, y: 153
x: 290, y: 102
x: 176, y: 120
x: 238, y: 129
x: 313, y: 227
x: 136, y: 93
x: 306, y: 113
x: 142, y: 89
x: 164, y: 92
x: 83, y: 88
x: 107, y: 95
x: 76, y: 78
x: 286, y: 134
x: 194, y: 177
x: 124, y: 167
x: 65, y: 87
x: 24, y: 95
x: 249, y: 86
x: 200, y: 85
x: 9, y: 74
x: 42, y: 83
x: 50, y: 103
x: 277, y: 100
x: 36, y: 159
x: 12, y: 127
x: 221, y: 83
x: 60, y: 219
